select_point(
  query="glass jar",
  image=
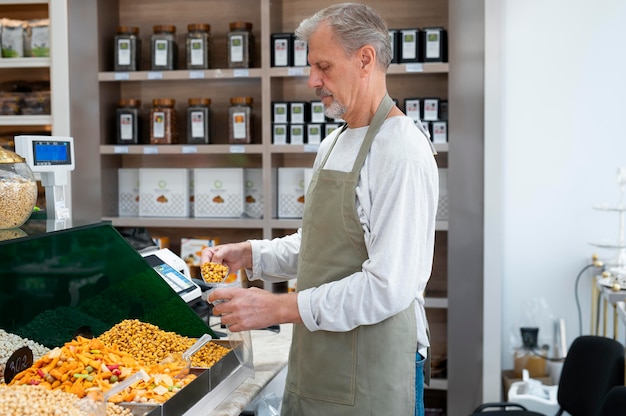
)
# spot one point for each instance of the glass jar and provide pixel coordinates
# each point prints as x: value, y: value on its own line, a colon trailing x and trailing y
x: 127, y: 48
x: 240, y: 45
x: 128, y: 121
x: 199, y: 121
x: 163, y: 121
x: 164, y: 47
x: 198, y: 43
x: 240, y: 120
x: 18, y: 190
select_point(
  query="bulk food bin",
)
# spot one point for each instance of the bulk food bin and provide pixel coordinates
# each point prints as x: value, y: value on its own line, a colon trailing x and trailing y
x: 85, y: 279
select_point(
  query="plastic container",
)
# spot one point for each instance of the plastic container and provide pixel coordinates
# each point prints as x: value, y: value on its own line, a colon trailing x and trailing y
x: 198, y: 43
x: 240, y: 120
x: 18, y: 190
x: 128, y: 121
x: 127, y: 48
x: 240, y: 45
x: 199, y: 121
x: 163, y: 121
x: 164, y: 48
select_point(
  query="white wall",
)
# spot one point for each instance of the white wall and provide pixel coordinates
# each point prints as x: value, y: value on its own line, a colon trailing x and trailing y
x: 559, y: 137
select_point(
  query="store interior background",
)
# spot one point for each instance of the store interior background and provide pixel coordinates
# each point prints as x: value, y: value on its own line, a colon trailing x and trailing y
x: 555, y: 82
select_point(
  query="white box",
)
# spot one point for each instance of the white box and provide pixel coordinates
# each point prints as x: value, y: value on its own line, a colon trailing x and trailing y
x: 128, y: 192
x: 164, y: 192
x: 290, y: 192
x: 253, y: 192
x: 218, y: 192
x: 191, y: 249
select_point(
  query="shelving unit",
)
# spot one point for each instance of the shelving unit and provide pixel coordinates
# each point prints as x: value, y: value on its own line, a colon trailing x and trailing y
x: 95, y: 98
x: 53, y: 69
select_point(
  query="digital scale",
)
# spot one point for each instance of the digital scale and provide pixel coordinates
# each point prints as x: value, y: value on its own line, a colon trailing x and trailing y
x: 174, y: 271
x: 52, y: 157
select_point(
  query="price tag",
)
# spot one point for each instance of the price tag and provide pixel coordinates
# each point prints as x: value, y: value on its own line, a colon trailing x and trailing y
x: 295, y: 71
x: 196, y: 74
x: 189, y: 149
x: 241, y: 72
x: 414, y: 68
x: 122, y: 76
x: 120, y: 149
x: 150, y: 150
x: 155, y: 75
x: 19, y: 361
x: 239, y: 148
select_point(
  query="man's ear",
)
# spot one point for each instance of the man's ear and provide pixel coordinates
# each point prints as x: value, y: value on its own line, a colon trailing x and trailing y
x: 367, y: 57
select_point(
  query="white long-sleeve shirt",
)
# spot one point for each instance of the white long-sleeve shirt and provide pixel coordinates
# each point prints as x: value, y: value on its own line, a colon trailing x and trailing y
x: 396, y: 200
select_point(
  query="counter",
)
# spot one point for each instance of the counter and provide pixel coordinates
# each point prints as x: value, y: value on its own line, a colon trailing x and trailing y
x: 270, y: 351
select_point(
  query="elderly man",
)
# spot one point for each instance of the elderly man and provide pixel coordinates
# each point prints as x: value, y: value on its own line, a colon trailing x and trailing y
x: 364, y: 253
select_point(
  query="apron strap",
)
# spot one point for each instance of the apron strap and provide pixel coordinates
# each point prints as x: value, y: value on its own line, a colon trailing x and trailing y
x: 379, y: 117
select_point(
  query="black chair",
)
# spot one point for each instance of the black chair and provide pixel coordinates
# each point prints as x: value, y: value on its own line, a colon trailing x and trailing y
x: 593, y: 366
x: 614, y: 403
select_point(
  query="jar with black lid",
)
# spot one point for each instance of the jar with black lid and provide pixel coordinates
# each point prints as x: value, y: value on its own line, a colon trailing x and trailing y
x: 127, y: 48
x: 128, y: 121
x: 164, y: 47
x: 199, y: 121
x: 240, y: 45
x: 198, y: 43
x: 163, y: 121
x: 240, y: 120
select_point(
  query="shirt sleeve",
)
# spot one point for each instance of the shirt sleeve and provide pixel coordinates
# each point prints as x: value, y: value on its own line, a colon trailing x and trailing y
x: 275, y: 260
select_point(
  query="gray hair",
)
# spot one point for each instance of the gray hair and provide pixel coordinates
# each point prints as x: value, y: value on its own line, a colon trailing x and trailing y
x: 355, y: 25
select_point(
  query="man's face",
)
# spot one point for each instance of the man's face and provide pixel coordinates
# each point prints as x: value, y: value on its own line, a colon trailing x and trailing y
x: 332, y: 72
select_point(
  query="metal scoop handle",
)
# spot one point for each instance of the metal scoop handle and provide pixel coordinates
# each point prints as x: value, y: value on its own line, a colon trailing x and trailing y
x: 201, y: 342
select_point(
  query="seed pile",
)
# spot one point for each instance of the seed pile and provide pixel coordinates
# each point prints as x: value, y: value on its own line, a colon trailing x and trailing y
x: 9, y: 343
x: 17, y: 198
x: 150, y: 344
x: 213, y: 272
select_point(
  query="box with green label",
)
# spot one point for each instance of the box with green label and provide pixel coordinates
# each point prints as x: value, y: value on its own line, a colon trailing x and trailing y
x: 218, y: 192
x: 164, y: 192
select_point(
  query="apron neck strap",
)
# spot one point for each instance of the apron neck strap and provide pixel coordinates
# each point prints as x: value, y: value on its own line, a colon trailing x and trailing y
x: 384, y: 108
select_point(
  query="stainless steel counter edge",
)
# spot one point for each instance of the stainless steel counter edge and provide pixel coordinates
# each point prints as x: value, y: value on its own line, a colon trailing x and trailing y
x: 270, y: 351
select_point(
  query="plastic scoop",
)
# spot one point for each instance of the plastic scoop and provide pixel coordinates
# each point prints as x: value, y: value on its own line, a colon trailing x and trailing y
x: 182, y: 361
x: 95, y: 402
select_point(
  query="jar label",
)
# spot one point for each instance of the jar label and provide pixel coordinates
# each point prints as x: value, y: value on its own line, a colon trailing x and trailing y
x: 160, y: 52
x: 123, y: 52
x: 197, y: 124
x: 281, y: 55
x: 236, y: 48
x: 409, y: 44
x: 126, y: 127
x: 158, y: 125
x: 196, y: 47
x: 239, y: 125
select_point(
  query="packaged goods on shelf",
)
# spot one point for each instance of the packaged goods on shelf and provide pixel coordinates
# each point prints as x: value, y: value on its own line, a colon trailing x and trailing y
x: 240, y: 120
x: 128, y: 121
x: 12, y: 38
x: 253, y: 192
x: 164, y: 192
x: 37, y: 38
x: 198, y: 43
x: 164, y: 48
x: 316, y: 112
x: 128, y: 192
x: 240, y: 45
x: 296, y: 133
x: 314, y: 133
x: 218, y: 192
x: 290, y: 192
x: 410, y: 49
x: 280, y: 133
x: 199, y: 121
x: 439, y: 131
x: 163, y: 121
x: 282, y: 49
x: 435, y: 44
x: 127, y: 49
x: 191, y: 249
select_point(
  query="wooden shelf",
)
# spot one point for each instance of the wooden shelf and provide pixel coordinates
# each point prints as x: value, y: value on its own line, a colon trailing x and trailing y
x: 180, y: 149
x: 227, y: 223
x: 24, y: 62
x: 44, y: 120
x: 206, y: 74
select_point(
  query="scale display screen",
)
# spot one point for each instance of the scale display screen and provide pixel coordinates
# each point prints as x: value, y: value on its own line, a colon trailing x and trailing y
x: 51, y: 153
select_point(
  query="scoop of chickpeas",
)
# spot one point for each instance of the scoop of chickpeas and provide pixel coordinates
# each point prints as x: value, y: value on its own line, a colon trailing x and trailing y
x: 213, y: 272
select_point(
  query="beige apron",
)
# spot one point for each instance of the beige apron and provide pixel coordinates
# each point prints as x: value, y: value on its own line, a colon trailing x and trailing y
x: 371, y: 369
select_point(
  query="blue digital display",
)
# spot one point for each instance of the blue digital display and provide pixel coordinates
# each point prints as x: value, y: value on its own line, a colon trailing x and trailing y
x: 47, y: 153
